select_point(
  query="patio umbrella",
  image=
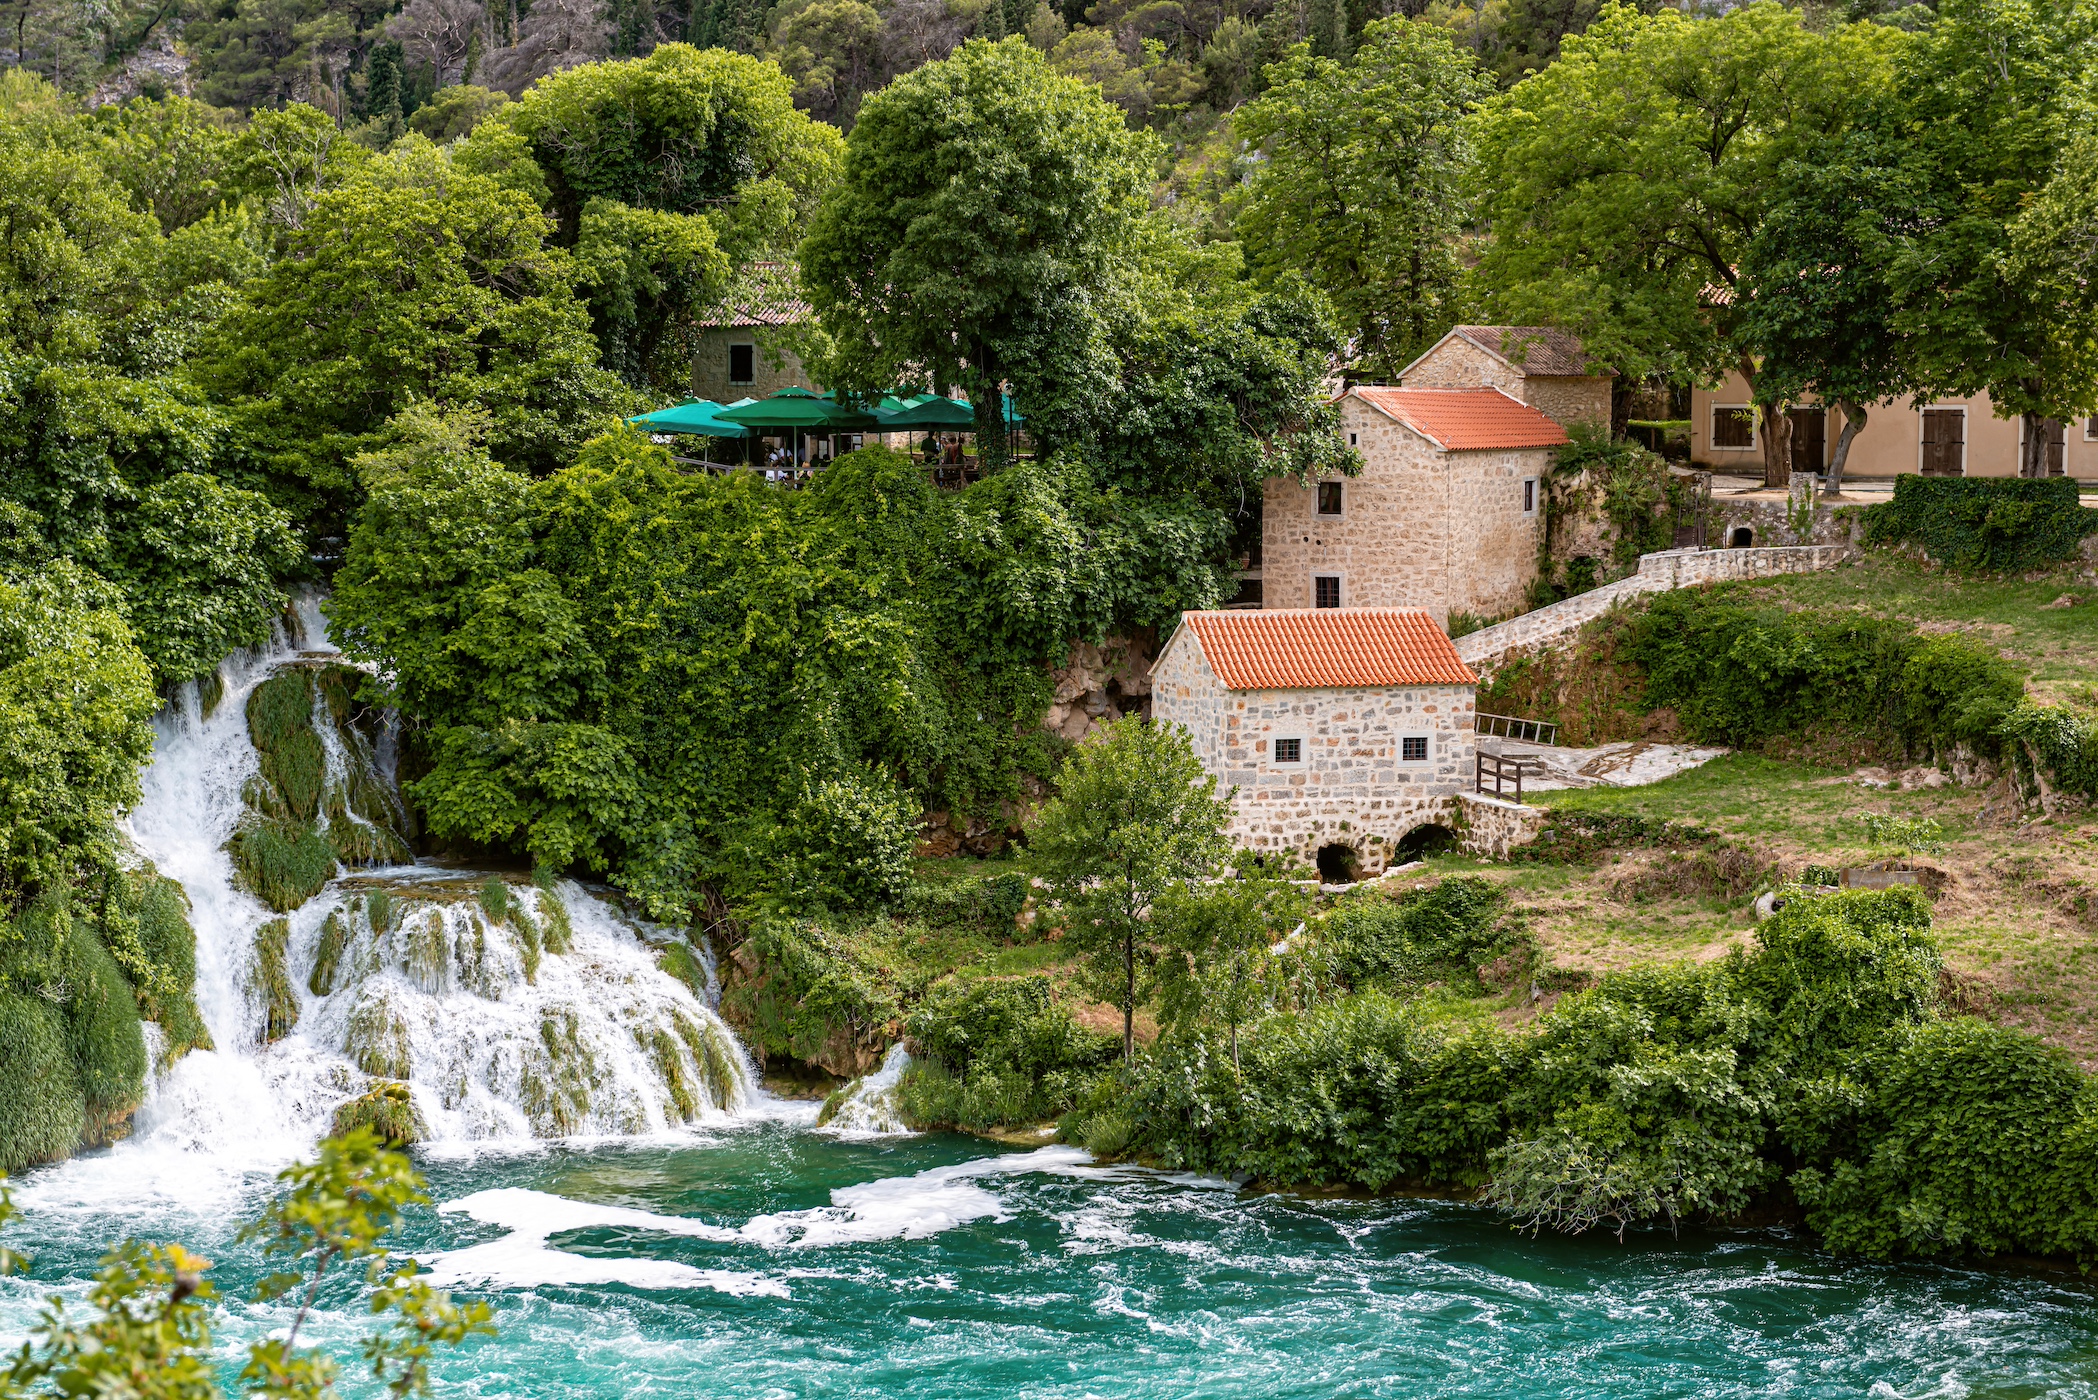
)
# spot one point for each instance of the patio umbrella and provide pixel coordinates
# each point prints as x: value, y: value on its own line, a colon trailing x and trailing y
x: 697, y: 418
x: 932, y: 411
x: 801, y: 409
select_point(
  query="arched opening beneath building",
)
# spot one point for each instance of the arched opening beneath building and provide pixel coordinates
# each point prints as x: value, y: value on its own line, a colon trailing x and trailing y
x: 1429, y: 839
x: 1339, y: 865
x: 1742, y: 537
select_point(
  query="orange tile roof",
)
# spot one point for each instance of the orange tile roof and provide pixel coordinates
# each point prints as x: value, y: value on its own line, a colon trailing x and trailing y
x: 1310, y: 648
x: 1465, y: 420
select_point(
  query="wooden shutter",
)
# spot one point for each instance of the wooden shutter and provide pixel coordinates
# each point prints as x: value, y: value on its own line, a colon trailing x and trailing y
x: 1809, y: 440
x: 1944, y: 441
x: 2057, y: 446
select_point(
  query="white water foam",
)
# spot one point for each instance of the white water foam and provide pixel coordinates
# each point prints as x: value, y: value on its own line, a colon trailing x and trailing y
x: 905, y: 1208
x: 874, y: 1107
x: 479, y: 1057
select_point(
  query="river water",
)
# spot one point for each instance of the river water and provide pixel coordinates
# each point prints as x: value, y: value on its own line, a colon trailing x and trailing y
x: 725, y: 1245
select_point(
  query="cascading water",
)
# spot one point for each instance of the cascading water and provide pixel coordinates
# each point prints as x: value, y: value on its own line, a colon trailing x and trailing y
x: 506, y: 1009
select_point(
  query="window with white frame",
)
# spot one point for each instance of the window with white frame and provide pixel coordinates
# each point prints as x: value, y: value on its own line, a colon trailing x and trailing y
x: 1289, y: 751
x: 1733, y: 427
x: 1325, y: 590
x: 1413, y: 748
x: 1529, y: 495
x: 2090, y: 428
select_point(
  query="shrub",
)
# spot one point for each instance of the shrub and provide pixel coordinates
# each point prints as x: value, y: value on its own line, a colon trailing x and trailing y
x: 102, y: 1032
x: 1996, y: 523
x: 1445, y: 932
x: 388, y: 1110
x: 1004, y: 1051
x: 283, y: 864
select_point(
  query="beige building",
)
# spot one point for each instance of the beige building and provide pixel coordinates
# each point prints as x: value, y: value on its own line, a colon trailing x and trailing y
x: 1444, y: 516
x: 1543, y: 367
x: 1951, y: 437
x: 746, y: 350
x: 1342, y: 731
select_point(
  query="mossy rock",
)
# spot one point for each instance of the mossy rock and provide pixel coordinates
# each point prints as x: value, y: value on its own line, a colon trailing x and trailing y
x: 102, y: 1033
x: 281, y: 864
x: 327, y: 957
x: 280, y: 724
x: 170, y: 944
x: 556, y: 934
x: 377, y: 1042
x: 43, y: 1109
x: 388, y: 1110
x: 269, y: 979
x: 681, y: 962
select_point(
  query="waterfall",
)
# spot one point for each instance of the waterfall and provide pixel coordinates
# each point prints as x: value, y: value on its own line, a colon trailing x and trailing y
x: 872, y: 1104
x: 489, y: 1006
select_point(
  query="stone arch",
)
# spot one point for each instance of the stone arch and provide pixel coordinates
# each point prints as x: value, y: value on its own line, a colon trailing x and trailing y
x: 1740, y: 537
x: 1428, y: 839
x: 1339, y: 863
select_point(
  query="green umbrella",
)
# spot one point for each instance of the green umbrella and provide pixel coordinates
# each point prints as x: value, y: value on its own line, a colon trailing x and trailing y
x: 931, y: 411
x: 801, y: 409
x: 698, y: 418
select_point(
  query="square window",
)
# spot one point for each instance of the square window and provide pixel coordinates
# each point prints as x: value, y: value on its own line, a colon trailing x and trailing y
x: 1325, y: 590
x: 1413, y: 748
x: 1289, y: 751
x: 1329, y: 498
x: 1529, y: 495
x: 1733, y: 427
x: 742, y: 364
x: 2090, y: 428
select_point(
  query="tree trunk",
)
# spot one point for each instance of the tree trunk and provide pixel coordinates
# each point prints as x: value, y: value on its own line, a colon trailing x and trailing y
x: 1853, y: 424
x: 1777, y: 446
x: 2032, y: 453
x: 986, y: 397
x: 1129, y: 1000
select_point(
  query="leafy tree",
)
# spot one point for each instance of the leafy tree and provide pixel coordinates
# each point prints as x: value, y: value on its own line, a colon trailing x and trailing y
x: 1218, y: 968
x: 455, y: 111
x: 414, y: 281
x: 682, y: 131
x: 1362, y: 186
x: 1135, y: 814
x: 1989, y: 102
x: 177, y: 158
x: 651, y: 277
x: 2054, y: 256
x: 986, y: 208
x: 1626, y: 183
x: 149, y: 1331
x: 832, y: 50
x: 1820, y: 310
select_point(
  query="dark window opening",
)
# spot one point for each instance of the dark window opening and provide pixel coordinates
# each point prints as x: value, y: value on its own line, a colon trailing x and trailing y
x: 1289, y: 751
x: 1326, y: 588
x: 1529, y: 495
x: 742, y: 364
x: 1733, y: 427
x: 1422, y: 841
x: 1743, y: 538
x: 1329, y: 498
x: 1339, y: 865
x: 1414, y: 748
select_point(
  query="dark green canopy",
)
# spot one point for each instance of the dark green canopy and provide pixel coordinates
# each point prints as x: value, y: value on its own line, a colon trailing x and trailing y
x: 799, y: 408
x: 930, y: 411
x: 699, y: 418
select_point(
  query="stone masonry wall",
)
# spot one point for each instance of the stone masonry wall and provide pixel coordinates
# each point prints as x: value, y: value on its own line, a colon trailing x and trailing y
x: 1494, y: 826
x: 1567, y: 399
x: 1352, y: 787
x: 1420, y: 528
x: 1674, y: 568
x: 710, y: 365
x: 1456, y: 363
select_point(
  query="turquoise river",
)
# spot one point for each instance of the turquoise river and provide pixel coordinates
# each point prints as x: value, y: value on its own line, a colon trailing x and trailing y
x: 769, y: 1258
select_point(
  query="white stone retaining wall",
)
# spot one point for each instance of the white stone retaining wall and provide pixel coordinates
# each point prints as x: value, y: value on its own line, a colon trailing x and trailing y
x: 1494, y: 826
x: 1672, y: 568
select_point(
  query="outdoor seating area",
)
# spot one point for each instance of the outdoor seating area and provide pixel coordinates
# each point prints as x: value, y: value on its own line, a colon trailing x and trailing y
x: 794, y: 433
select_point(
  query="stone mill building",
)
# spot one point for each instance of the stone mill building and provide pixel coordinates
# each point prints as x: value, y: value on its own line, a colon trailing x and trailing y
x: 1344, y: 730
x: 1446, y: 514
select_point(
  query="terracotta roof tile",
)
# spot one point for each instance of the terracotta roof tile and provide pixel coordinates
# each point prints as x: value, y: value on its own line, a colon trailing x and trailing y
x: 763, y: 294
x: 1465, y: 420
x: 1313, y: 648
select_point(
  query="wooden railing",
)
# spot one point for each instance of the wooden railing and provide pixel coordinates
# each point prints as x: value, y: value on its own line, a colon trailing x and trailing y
x: 1501, y: 770
x: 1533, y: 731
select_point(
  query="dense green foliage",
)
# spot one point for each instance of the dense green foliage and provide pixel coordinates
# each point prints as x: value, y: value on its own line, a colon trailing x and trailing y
x: 998, y: 1052
x: 1817, y: 1061
x: 1979, y: 523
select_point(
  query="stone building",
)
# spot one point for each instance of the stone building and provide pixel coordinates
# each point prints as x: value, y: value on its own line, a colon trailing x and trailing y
x: 1444, y: 517
x: 746, y: 349
x: 1344, y: 731
x: 1545, y: 368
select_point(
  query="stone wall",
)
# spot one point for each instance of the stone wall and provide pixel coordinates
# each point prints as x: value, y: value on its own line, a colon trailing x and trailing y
x: 1768, y: 519
x: 1419, y: 528
x: 1352, y: 787
x: 1100, y: 684
x: 1568, y: 399
x: 1674, y: 568
x: 1494, y: 826
x: 1456, y: 363
x: 710, y: 364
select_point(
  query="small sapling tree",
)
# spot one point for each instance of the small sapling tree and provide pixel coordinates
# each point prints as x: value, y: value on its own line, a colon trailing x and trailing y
x: 1135, y: 815
x: 1218, y: 967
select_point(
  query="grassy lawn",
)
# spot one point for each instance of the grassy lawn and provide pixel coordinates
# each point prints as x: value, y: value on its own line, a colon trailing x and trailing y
x: 2017, y: 914
x: 2059, y: 644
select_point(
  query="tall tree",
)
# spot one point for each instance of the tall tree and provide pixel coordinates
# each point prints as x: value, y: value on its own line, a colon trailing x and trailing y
x: 1992, y: 97
x: 986, y: 209
x: 1361, y: 188
x: 1819, y: 312
x: 1135, y: 815
x: 1625, y: 183
x: 1219, y: 967
x: 2054, y: 254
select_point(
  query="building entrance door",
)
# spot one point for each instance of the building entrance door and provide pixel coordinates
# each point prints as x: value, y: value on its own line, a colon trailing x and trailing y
x: 1944, y: 442
x: 1809, y: 439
